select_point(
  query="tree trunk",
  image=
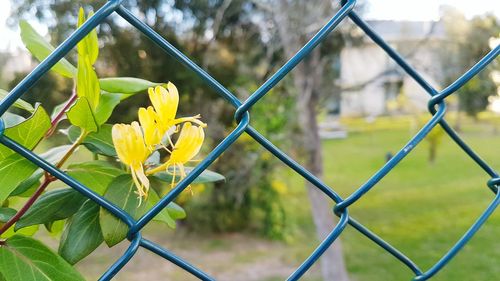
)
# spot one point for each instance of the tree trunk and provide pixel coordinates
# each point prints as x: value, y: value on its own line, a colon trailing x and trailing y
x: 432, y: 151
x: 332, y: 261
x: 307, y: 76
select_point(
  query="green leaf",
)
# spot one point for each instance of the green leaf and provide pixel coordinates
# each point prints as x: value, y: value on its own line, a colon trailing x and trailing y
x: 121, y: 192
x: 89, y: 45
x: 19, y: 103
x: 53, y: 205
x: 82, y: 235
x: 23, y: 258
x: 98, y: 142
x: 205, y: 177
x: 165, y: 215
x: 55, y: 227
x: 27, y: 231
x: 106, y: 106
x: 81, y: 115
x: 13, y: 170
x: 29, y: 184
x: 87, y: 84
x: 28, y: 187
x: 52, y: 156
x: 6, y: 214
x: 96, y: 175
x: 175, y: 211
x: 126, y: 85
x: 41, y: 49
x: 29, y: 191
x: 29, y: 132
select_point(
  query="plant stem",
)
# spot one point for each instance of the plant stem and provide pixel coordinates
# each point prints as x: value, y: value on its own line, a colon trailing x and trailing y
x: 41, y: 188
x: 27, y: 205
x: 72, y: 148
x: 58, y: 118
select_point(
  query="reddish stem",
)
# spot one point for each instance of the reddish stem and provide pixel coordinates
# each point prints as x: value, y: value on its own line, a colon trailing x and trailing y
x: 41, y: 188
x: 48, y: 178
x: 27, y: 205
x: 61, y: 114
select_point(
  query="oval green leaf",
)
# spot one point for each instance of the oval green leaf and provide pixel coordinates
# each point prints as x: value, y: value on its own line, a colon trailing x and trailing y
x: 88, y: 46
x: 82, y: 234
x: 87, y: 82
x: 6, y: 214
x: 52, y: 156
x: 107, y: 104
x: 126, y: 85
x: 29, y: 132
x: 23, y: 258
x: 81, y: 115
x: 52, y: 206
x: 13, y: 170
x: 98, y: 142
x: 205, y: 177
x: 41, y: 49
x: 96, y: 175
x: 121, y: 192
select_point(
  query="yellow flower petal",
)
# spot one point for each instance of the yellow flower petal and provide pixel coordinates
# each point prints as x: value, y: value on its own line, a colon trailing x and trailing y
x: 165, y: 103
x: 150, y: 124
x: 132, y: 151
x: 188, y: 145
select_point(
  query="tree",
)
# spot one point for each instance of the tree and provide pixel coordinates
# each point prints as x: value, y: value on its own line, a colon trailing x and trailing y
x: 467, y: 43
x: 295, y: 22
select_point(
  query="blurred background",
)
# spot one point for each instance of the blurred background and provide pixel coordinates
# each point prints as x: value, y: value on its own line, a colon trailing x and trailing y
x: 342, y: 113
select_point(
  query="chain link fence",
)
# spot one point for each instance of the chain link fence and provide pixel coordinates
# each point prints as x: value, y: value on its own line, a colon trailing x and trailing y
x: 436, y: 106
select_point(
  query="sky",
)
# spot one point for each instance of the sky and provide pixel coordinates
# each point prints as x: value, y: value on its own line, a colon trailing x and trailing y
x: 377, y: 9
x: 427, y: 9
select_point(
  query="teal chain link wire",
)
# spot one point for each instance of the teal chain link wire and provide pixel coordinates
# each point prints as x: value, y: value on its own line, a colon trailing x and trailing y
x: 436, y: 106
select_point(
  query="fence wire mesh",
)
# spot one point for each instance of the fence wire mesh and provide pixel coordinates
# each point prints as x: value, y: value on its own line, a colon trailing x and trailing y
x: 436, y: 106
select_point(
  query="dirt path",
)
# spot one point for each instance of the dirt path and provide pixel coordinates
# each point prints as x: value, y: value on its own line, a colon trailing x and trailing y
x: 226, y: 257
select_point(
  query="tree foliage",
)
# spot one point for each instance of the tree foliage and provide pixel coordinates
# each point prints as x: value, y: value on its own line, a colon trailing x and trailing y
x: 467, y: 42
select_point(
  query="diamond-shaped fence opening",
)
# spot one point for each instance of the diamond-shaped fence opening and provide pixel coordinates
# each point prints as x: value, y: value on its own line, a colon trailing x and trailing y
x: 437, y: 108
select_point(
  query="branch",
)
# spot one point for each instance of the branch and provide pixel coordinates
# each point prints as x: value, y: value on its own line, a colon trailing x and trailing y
x: 26, y: 206
x: 219, y: 15
x: 41, y: 188
x: 60, y: 115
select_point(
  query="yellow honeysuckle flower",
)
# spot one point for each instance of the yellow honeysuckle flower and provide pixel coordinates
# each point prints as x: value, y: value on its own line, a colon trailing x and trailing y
x: 188, y: 145
x: 165, y: 102
x: 149, y: 120
x: 185, y: 149
x: 132, y: 151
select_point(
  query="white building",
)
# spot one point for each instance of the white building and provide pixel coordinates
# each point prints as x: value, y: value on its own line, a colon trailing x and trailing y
x: 371, y: 80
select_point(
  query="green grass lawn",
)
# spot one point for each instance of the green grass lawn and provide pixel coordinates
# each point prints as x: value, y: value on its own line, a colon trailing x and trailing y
x: 420, y: 208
